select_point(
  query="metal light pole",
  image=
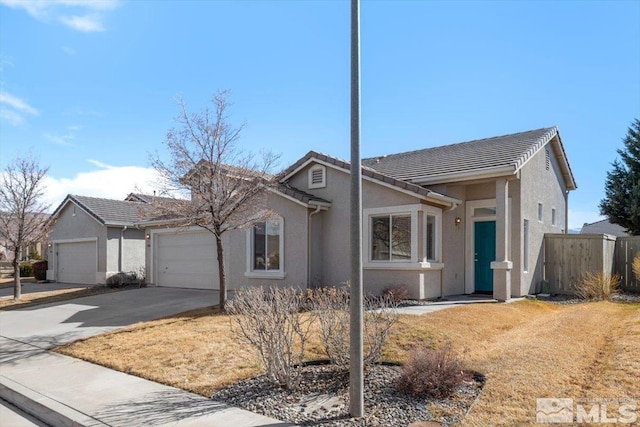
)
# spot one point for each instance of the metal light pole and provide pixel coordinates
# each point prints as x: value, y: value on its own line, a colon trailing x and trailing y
x: 356, y: 383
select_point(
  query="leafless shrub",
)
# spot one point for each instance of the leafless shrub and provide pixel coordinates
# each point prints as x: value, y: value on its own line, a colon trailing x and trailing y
x: 431, y: 373
x: 397, y: 293
x: 135, y: 277
x: 331, y: 306
x: 636, y: 266
x: 597, y: 286
x: 270, y: 320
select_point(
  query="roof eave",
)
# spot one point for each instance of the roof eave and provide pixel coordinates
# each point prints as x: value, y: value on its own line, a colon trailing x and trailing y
x: 477, y: 174
x: 567, y: 174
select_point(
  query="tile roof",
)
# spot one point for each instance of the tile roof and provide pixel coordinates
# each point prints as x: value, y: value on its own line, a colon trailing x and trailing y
x: 300, y: 195
x: 145, y: 198
x: 501, y: 151
x: 366, y: 172
x: 106, y: 211
x: 604, y: 227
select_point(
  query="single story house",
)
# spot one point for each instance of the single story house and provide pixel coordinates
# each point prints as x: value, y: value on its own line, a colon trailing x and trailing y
x: 456, y: 219
x: 93, y: 238
x: 604, y: 227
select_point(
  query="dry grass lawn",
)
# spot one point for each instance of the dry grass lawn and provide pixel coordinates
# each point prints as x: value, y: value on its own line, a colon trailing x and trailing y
x: 527, y: 350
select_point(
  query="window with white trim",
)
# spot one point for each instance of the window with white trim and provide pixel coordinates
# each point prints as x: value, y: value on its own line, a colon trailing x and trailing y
x: 553, y: 217
x: 391, y: 237
x: 317, y: 176
x: 403, y: 237
x: 265, y: 248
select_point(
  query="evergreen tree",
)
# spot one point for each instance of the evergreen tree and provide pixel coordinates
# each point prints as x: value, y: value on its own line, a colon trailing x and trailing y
x: 622, y: 188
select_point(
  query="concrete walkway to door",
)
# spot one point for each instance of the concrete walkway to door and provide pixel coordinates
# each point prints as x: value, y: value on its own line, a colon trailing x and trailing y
x: 63, y: 391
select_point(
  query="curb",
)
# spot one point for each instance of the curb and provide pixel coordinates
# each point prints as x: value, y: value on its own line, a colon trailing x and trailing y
x: 44, y: 408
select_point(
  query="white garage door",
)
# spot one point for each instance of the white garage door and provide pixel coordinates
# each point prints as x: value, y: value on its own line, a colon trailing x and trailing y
x: 76, y: 262
x: 186, y: 260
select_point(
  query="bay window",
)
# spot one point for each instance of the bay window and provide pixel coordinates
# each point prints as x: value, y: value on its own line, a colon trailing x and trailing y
x: 402, y: 237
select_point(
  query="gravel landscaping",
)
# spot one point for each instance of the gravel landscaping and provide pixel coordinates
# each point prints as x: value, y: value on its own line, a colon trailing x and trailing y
x: 572, y: 299
x: 322, y: 399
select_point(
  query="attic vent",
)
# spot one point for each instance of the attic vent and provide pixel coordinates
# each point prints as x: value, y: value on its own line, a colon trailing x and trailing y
x: 547, y: 159
x: 317, y: 176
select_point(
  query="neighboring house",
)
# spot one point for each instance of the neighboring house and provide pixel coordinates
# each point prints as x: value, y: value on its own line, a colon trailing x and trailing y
x: 455, y: 219
x: 93, y: 238
x: 604, y: 227
x: 27, y: 252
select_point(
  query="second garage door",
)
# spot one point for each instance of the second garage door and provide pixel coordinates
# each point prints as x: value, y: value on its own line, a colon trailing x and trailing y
x: 76, y: 262
x: 186, y: 260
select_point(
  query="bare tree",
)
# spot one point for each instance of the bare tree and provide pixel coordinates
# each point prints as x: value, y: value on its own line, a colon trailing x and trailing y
x: 23, y: 215
x: 227, y: 185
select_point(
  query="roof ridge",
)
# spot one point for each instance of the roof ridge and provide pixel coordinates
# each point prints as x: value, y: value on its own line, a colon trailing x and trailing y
x: 459, y: 143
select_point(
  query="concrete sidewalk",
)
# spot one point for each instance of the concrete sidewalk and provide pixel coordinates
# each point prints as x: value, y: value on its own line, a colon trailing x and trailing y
x: 449, y: 302
x: 64, y: 391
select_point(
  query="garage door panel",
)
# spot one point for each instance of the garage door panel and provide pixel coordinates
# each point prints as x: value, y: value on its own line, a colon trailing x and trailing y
x: 186, y: 260
x: 76, y: 262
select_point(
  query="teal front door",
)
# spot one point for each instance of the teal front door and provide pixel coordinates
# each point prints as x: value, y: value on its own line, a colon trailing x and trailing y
x: 484, y: 254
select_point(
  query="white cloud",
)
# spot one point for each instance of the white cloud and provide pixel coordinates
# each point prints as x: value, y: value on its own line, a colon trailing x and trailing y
x: 68, y: 50
x: 11, y: 117
x: 80, y: 15
x: 110, y: 182
x: 5, y: 61
x: 17, y: 103
x: 87, y: 23
x: 13, y: 109
x: 100, y: 164
x: 63, y: 140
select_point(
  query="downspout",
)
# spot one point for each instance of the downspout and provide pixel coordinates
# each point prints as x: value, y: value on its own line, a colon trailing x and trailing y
x: 566, y: 212
x: 121, y: 260
x: 318, y: 209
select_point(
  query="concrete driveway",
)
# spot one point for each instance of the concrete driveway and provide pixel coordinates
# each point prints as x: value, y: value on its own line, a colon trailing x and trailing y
x: 64, y: 391
x: 46, y: 326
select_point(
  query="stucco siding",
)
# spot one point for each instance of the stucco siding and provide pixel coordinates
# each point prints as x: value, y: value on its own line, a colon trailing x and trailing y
x: 330, y: 238
x: 113, y: 250
x: 295, y: 248
x: 133, y: 247
x: 420, y: 284
x: 453, y: 241
x: 545, y: 186
x: 74, y: 223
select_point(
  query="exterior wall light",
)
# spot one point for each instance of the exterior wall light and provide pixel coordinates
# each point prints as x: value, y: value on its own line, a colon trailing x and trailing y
x: 457, y: 221
x: 147, y: 236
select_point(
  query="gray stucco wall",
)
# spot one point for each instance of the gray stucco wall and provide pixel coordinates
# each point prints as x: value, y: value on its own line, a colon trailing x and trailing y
x: 295, y: 248
x: 82, y: 226
x: 453, y: 241
x: 330, y: 239
x: 546, y: 186
x: 74, y: 223
x: 133, y: 250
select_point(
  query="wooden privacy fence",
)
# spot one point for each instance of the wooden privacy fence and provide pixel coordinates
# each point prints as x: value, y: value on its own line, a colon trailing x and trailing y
x: 568, y: 256
x: 626, y: 249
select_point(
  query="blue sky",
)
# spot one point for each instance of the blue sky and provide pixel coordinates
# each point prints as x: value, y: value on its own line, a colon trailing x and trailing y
x: 90, y: 87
